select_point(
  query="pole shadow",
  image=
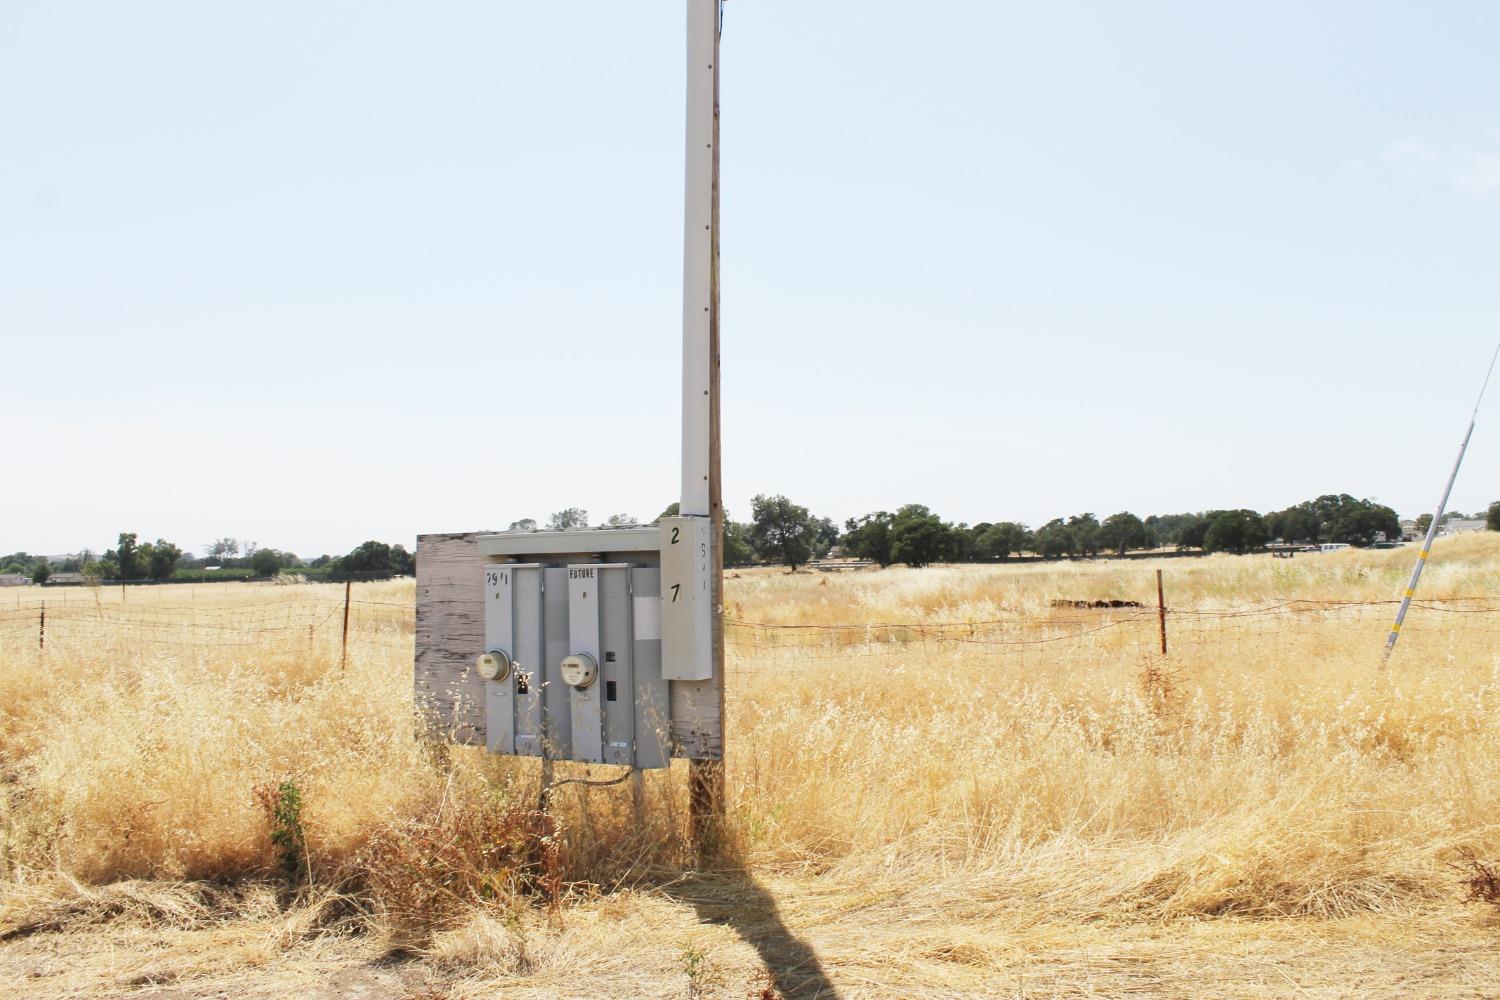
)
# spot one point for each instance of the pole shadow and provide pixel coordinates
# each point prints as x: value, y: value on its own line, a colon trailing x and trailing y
x: 731, y: 897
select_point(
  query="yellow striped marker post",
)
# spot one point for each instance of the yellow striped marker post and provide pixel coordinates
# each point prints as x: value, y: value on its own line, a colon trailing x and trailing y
x: 1437, y: 520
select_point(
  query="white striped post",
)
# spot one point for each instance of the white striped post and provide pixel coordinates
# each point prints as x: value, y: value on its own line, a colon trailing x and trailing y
x: 1437, y: 520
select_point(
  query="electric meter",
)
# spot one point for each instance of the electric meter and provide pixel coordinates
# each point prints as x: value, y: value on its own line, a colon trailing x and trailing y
x: 493, y: 666
x: 594, y: 593
x: 579, y: 670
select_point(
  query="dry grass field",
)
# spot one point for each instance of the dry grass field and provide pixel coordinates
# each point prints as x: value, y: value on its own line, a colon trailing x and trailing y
x: 949, y: 782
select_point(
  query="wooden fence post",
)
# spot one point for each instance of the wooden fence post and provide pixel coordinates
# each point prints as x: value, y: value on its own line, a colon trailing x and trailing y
x: 1161, y: 612
x: 344, y: 655
x: 41, y: 633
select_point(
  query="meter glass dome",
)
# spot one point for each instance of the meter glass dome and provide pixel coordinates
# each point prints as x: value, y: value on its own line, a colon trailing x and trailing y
x: 579, y: 670
x: 493, y: 665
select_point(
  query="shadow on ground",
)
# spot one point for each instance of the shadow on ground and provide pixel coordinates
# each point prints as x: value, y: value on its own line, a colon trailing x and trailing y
x: 734, y: 899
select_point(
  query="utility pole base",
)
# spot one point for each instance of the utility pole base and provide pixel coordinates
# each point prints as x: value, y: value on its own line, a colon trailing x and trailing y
x: 706, y: 807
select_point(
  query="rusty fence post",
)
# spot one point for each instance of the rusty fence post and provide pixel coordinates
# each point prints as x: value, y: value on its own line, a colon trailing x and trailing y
x: 41, y: 629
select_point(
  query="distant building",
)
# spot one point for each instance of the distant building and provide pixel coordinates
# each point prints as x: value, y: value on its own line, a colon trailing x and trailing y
x: 23, y: 580
x: 1409, y: 530
x: 1461, y: 526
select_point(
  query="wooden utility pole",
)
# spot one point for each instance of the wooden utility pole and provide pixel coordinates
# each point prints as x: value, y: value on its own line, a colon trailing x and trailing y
x: 706, y: 777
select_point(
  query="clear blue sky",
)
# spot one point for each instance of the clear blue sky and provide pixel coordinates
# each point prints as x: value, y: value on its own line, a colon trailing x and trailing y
x: 315, y: 273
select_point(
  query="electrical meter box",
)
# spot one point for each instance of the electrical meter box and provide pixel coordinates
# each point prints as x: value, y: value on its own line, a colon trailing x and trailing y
x: 591, y: 645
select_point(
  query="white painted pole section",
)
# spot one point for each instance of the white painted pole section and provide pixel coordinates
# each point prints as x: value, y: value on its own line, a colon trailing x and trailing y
x: 697, y: 249
x: 1432, y: 530
x: 1437, y: 519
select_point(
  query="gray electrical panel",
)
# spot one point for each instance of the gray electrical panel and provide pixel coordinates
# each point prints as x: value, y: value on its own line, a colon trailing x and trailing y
x: 572, y: 656
x: 591, y: 645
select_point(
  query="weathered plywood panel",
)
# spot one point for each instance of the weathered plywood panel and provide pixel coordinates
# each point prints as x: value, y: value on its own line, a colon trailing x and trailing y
x: 450, y: 634
x: 697, y: 730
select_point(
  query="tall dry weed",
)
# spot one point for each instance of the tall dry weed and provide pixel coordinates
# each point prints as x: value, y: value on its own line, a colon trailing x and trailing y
x: 1266, y: 767
x: 470, y: 847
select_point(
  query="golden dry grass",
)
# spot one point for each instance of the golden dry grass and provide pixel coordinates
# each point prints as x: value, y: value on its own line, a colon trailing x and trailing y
x: 1026, y: 801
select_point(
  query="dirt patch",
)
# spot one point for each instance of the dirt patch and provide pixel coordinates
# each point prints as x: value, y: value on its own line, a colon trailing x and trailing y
x: 1062, y: 602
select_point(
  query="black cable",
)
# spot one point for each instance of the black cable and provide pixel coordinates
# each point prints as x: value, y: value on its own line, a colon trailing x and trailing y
x: 588, y: 783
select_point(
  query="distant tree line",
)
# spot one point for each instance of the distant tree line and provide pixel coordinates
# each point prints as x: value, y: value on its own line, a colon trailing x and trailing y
x: 781, y: 532
x: 133, y: 561
x: 368, y: 559
x: 915, y: 536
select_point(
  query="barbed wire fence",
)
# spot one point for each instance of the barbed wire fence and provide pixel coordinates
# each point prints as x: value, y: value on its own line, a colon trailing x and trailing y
x: 1014, y: 635
x: 1024, y: 637
x: 79, y: 620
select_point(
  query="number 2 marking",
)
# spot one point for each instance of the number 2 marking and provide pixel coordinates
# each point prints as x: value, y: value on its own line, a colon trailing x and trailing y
x: 675, y: 588
x: 675, y: 533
